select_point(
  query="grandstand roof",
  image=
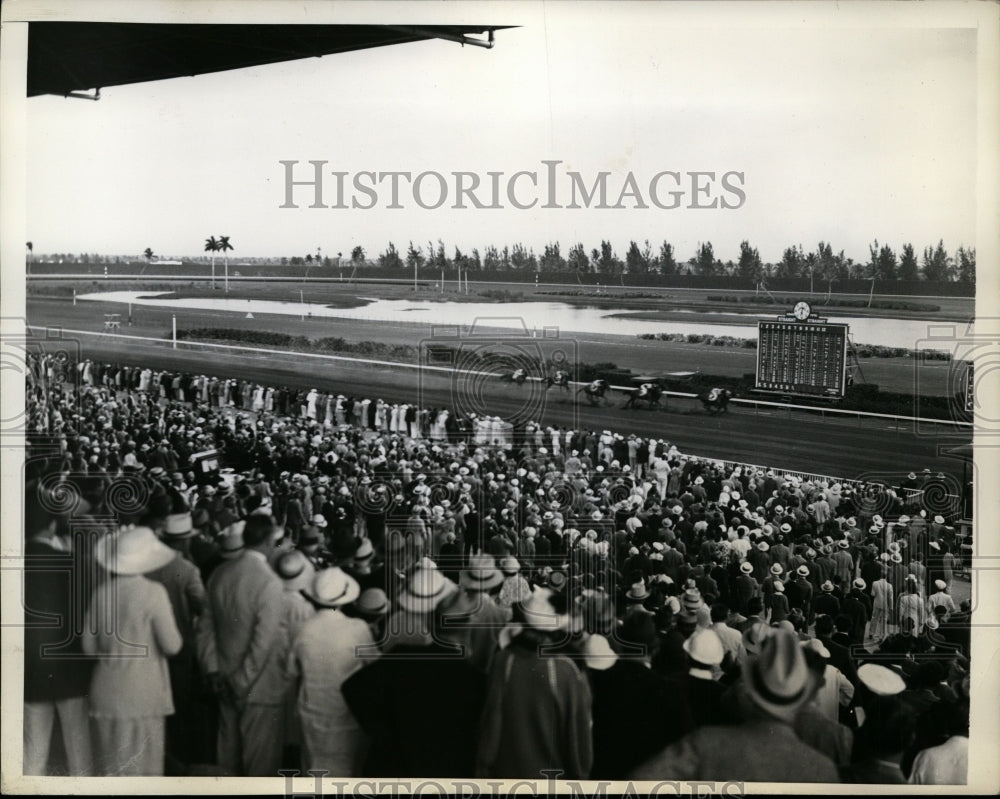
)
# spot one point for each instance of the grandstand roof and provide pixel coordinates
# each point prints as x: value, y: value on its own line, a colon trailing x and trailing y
x: 65, y: 57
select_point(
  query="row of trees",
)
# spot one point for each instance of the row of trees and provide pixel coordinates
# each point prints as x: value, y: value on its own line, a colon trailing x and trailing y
x: 821, y: 264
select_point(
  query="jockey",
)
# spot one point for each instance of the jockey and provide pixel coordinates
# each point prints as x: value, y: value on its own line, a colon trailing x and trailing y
x: 596, y: 385
x: 644, y: 389
x: 519, y: 375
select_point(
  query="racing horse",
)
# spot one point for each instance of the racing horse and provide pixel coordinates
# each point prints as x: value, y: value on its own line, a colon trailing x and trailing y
x: 595, y: 391
x: 517, y: 377
x: 716, y: 400
x: 560, y: 379
x: 650, y: 393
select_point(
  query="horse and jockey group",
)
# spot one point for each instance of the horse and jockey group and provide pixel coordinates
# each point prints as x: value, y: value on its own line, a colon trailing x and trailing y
x: 647, y: 393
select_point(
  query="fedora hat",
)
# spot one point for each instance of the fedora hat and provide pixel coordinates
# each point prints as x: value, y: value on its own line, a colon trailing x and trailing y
x: 754, y: 637
x: 133, y: 551
x: 178, y: 526
x: 776, y: 568
x: 539, y: 613
x: 425, y: 590
x: 295, y: 569
x: 333, y: 588
x: 372, y: 603
x: 843, y: 544
x: 802, y: 571
x: 746, y: 567
x: 778, y: 680
x: 231, y: 542
x: 481, y: 574
x: 860, y: 584
x: 763, y: 546
x: 827, y: 587
x: 705, y: 646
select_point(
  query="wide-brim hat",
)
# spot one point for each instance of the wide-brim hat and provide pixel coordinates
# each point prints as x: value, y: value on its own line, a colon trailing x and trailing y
x: 746, y: 567
x: 509, y: 565
x: 939, y: 519
x: 802, y: 571
x: 295, y: 570
x: 776, y: 568
x: 778, y: 681
x: 827, y: 587
x: 133, y: 551
x: 895, y: 557
x: 481, y: 574
x: 860, y: 584
x: 763, y: 546
x: 755, y: 635
x: 425, y: 590
x: 881, y: 680
x: 704, y: 646
x: 333, y: 588
x: 637, y: 592
x: 843, y: 544
x: 539, y: 613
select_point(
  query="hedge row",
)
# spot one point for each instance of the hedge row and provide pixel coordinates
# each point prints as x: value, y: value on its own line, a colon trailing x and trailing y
x: 397, y: 352
x: 887, y: 305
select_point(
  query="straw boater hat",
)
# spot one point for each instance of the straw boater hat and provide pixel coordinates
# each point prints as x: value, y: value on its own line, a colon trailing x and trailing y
x: 372, y: 603
x: 295, y: 569
x: 481, y: 574
x: 133, y: 551
x: 881, y: 680
x: 637, y: 592
x: 425, y: 590
x: 778, y: 681
x: 178, y: 526
x: 333, y: 588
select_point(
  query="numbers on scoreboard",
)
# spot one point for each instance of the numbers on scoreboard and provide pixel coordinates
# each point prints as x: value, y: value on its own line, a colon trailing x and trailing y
x: 804, y: 358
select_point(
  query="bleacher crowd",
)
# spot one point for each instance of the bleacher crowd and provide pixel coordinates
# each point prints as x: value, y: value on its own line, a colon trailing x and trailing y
x: 249, y: 579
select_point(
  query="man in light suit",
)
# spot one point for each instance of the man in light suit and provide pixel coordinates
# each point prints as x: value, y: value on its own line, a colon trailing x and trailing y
x: 237, y: 634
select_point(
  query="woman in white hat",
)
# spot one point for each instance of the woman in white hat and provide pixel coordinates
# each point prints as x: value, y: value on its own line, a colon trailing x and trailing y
x: 328, y: 649
x: 131, y: 629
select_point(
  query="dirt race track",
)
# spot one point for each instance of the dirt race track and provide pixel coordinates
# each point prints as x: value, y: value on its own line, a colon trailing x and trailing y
x: 844, y: 447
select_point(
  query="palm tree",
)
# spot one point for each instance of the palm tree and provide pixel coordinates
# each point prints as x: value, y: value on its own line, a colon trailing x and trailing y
x: 148, y: 252
x: 212, y: 246
x: 31, y: 249
x: 225, y: 246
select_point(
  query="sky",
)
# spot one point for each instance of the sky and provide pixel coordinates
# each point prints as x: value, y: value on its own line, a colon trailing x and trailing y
x: 845, y: 129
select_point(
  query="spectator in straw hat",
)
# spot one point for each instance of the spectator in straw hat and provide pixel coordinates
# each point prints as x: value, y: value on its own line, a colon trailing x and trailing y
x: 424, y: 589
x: 420, y: 702
x: 619, y: 685
x: 515, y: 587
x: 779, y: 603
x: 471, y: 618
x: 814, y: 724
x: 941, y: 598
x: 699, y: 685
x: 297, y: 574
x: 764, y: 747
x: 373, y: 607
x: 330, y: 646
x: 130, y: 696
x: 857, y: 608
x: 236, y: 635
x: 186, y: 592
x: 537, y: 713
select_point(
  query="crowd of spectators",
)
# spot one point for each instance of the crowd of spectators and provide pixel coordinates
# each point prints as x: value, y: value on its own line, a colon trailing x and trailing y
x: 406, y: 599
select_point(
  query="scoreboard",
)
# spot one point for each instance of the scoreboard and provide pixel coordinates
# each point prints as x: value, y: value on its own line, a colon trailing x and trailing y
x: 796, y: 357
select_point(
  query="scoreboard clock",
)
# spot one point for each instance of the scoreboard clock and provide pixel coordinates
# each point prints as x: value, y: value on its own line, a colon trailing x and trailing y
x: 802, y: 311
